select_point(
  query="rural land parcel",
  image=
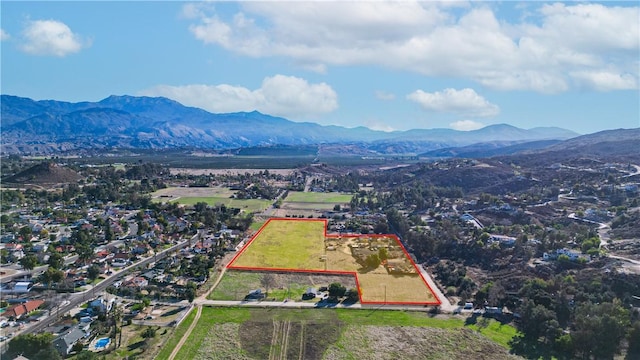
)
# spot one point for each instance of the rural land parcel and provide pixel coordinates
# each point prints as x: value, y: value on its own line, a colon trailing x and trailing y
x: 303, y: 246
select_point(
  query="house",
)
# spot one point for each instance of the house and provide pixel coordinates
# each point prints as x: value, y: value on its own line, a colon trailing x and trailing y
x: 493, y: 310
x: 100, y: 305
x: 22, y: 287
x: 140, y: 250
x: 502, y: 239
x: 137, y: 282
x: 64, y: 343
x: 19, y: 310
x: 573, y: 255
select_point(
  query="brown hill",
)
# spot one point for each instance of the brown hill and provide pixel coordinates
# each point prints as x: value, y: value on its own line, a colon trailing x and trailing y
x: 44, y: 173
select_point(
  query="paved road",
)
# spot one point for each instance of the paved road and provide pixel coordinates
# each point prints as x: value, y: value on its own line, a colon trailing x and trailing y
x: 445, y: 304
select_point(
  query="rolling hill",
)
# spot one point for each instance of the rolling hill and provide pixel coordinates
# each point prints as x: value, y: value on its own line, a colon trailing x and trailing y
x: 50, y: 126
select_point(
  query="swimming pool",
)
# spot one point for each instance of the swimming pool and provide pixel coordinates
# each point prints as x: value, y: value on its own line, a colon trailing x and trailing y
x: 102, y: 343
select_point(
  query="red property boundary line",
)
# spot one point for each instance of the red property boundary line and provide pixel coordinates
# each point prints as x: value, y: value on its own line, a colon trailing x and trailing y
x: 336, y: 272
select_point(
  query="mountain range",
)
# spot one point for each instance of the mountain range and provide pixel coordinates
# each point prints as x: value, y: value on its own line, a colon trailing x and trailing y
x: 49, y: 126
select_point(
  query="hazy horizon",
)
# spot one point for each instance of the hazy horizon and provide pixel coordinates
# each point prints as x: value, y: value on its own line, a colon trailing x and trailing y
x: 382, y: 65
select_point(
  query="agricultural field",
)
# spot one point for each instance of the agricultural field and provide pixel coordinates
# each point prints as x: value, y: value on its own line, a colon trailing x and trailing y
x: 284, y: 244
x: 249, y: 333
x: 303, y: 246
x: 311, y: 203
x: 318, y: 197
x: 209, y: 195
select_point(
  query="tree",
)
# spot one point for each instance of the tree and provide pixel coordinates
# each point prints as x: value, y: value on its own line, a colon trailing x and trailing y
x: 84, y: 252
x: 381, y: 227
x: 25, y: 232
x: 52, y: 275
x: 539, y: 331
x: 149, y: 332
x: 383, y: 254
x: 56, y: 260
x: 600, y: 328
x: 116, y: 319
x: 337, y: 290
x: 268, y: 281
x: 373, y: 261
x: 29, y: 262
x: 352, y: 295
x: 87, y: 355
x: 633, y: 352
x: 93, y: 271
x: 190, y: 291
x: 29, y: 345
x: 47, y: 354
x: 77, y: 347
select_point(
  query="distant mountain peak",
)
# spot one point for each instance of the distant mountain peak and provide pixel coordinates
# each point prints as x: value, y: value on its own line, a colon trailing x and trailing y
x: 149, y: 122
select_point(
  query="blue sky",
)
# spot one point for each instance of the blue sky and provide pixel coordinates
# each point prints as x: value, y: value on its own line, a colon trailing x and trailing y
x: 384, y: 65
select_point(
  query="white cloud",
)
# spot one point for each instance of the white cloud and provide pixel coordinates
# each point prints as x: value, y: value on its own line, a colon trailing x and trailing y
x: 535, y: 52
x: 605, y: 80
x: 50, y: 37
x: 466, y: 125
x: 385, y: 96
x: 279, y: 95
x: 4, y: 35
x: 462, y: 102
x: 378, y: 125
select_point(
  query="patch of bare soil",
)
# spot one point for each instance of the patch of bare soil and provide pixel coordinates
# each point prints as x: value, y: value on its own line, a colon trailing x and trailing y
x: 386, y: 342
x: 282, y: 280
x: 287, y: 339
x: 629, y: 248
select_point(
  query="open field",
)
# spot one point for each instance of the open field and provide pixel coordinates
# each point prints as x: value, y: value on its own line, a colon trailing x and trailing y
x: 209, y: 195
x: 382, y: 287
x: 302, y: 246
x: 285, y: 245
x: 318, y: 197
x: 243, y: 333
x: 175, y: 171
x: 237, y: 283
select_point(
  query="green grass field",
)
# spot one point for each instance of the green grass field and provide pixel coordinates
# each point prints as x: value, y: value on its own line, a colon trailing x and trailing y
x: 248, y: 333
x: 250, y: 205
x: 256, y: 225
x: 318, y: 197
x: 208, y: 317
x: 285, y: 245
x: 210, y: 195
x: 176, y: 336
x: 235, y: 285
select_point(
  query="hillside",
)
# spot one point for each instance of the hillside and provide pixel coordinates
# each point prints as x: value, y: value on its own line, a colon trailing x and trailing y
x: 49, y: 126
x: 611, y: 145
x: 44, y: 173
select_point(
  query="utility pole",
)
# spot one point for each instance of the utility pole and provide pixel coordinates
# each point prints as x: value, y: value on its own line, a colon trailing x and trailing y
x: 385, y: 293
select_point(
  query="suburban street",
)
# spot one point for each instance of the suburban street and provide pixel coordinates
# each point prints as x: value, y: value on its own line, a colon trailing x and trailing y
x: 76, y: 299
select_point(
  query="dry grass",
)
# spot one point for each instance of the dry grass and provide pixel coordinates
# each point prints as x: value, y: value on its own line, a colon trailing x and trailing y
x: 381, y: 287
x: 285, y: 245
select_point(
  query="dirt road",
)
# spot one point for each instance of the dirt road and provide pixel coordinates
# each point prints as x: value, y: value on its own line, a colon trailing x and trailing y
x: 187, y: 334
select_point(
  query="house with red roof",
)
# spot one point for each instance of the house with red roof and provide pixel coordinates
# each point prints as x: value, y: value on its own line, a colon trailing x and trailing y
x: 19, y: 310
